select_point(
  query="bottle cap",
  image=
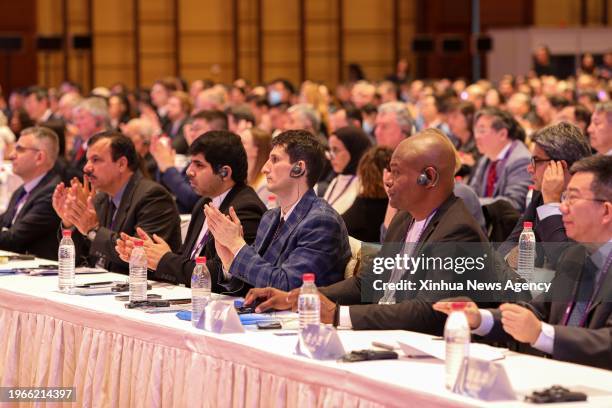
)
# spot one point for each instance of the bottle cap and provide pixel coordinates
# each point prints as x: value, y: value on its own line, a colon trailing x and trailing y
x: 200, y: 260
x: 458, y: 306
x: 66, y: 233
x: 528, y: 224
x: 308, y: 277
x: 138, y: 242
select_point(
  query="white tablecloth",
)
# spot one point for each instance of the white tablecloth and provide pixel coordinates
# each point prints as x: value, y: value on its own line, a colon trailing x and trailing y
x: 118, y: 358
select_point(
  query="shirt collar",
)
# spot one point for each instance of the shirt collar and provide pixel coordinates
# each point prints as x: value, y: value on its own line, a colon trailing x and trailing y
x: 31, y: 185
x: 216, y: 201
x: 600, y: 256
x: 504, y: 151
x: 117, y: 197
x: 289, y: 211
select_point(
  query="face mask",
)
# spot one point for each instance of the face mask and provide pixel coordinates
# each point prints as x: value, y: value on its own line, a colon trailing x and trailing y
x: 274, y: 97
x: 368, y: 127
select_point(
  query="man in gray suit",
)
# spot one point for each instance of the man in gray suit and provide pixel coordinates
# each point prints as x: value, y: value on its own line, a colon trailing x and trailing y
x: 573, y: 321
x: 501, y: 173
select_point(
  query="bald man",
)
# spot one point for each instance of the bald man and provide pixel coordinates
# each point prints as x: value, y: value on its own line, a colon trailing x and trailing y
x: 421, y: 187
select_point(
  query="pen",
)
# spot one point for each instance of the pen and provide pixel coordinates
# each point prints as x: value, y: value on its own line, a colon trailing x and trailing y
x: 384, y: 346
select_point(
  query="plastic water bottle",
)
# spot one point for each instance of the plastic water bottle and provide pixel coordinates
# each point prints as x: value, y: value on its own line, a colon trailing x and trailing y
x: 457, y: 340
x: 272, y: 201
x: 529, y: 196
x: 526, y: 252
x: 200, y: 289
x: 66, y: 260
x: 309, y: 304
x: 138, y: 272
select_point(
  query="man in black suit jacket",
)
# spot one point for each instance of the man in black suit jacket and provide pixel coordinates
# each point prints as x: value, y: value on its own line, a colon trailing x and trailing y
x: 217, y: 172
x: 556, y: 148
x: 125, y: 200
x: 573, y: 321
x: 29, y: 222
x: 421, y: 186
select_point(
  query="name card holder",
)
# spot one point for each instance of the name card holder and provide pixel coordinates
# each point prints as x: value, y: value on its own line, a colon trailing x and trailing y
x: 220, y: 317
x: 484, y: 380
x: 319, y: 342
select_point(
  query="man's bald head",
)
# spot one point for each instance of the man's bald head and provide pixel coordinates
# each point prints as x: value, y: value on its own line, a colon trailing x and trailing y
x: 430, y: 148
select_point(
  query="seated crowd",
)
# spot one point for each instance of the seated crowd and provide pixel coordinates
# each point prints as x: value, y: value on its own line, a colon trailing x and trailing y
x: 279, y: 182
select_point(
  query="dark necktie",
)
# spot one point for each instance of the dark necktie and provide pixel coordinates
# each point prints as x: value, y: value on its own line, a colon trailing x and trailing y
x: 110, y: 223
x: 10, y: 214
x: 491, y: 179
x: 585, y: 291
x: 267, y: 244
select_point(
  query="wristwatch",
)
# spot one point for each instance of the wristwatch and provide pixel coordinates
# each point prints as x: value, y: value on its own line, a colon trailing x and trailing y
x: 91, y: 234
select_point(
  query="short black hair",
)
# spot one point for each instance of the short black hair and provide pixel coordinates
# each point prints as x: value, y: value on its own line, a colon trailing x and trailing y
x: 286, y: 84
x: 503, y: 120
x: 40, y: 93
x: 601, y: 168
x: 352, y: 113
x: 216, y: 119
x: 240, y: 112
x: 222, y: 148
x: 302, y: 145
x: 121, y: 146
x: 582, y: 114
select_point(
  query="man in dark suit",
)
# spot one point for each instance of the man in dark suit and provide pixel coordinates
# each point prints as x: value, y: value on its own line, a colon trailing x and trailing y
x: 501, y: 173
x: 556, y: 148
x: 29, y: 223
x: 573, y: 321
x: 304, y: 235
x: 217, y: 172
x: 124, y: 200
x: 431, y: 219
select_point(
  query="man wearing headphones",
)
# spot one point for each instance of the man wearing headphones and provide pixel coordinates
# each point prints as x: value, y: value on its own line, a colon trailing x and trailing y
x: 218, y: 173
x: 420, y: 185
x: 304, y: 235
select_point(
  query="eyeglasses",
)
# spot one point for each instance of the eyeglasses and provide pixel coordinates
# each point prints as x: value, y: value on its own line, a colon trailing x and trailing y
x: 21, y: 149
x: 536, y: 160
x: 567, y: 198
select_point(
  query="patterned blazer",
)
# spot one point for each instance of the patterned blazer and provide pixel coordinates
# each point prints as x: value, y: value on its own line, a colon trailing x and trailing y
x: 313, y: 239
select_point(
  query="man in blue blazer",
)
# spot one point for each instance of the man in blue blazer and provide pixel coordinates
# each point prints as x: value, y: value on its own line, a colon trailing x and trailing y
x: 304, y: 235
x: 501, y: 173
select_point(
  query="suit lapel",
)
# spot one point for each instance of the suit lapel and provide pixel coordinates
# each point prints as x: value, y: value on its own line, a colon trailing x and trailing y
x: 126, y: 201
x: 297, y: 215
x: 35, y: 193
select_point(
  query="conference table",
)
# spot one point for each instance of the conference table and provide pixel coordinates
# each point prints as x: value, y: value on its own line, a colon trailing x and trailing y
x: 118, y: 357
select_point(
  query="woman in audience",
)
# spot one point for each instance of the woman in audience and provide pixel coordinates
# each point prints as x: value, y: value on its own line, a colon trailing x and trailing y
x: 118, y: 110
x: 461, y: 123
x: 20, y: 120
x: 364, y: 217
x: 317, y: 96
x: 257, y: 144
x: 346, y: 146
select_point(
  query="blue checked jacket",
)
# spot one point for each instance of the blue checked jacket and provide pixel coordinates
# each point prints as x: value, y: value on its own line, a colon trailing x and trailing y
x: 313, y: 239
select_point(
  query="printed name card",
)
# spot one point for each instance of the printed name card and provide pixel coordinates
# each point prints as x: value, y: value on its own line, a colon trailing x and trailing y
x: 484, y: 380
x: 319, y: 342
x: 220, y: 317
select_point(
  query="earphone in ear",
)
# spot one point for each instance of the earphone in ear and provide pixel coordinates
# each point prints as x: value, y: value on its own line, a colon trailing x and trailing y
x: 425, y: 179
x: 296, y: 171
x: 223, y: 172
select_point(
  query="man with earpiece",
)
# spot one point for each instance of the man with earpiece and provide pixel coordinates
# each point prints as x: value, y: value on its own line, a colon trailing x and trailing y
x: 218, y: 173
x: 303, y: 235
x: 431, y: 222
